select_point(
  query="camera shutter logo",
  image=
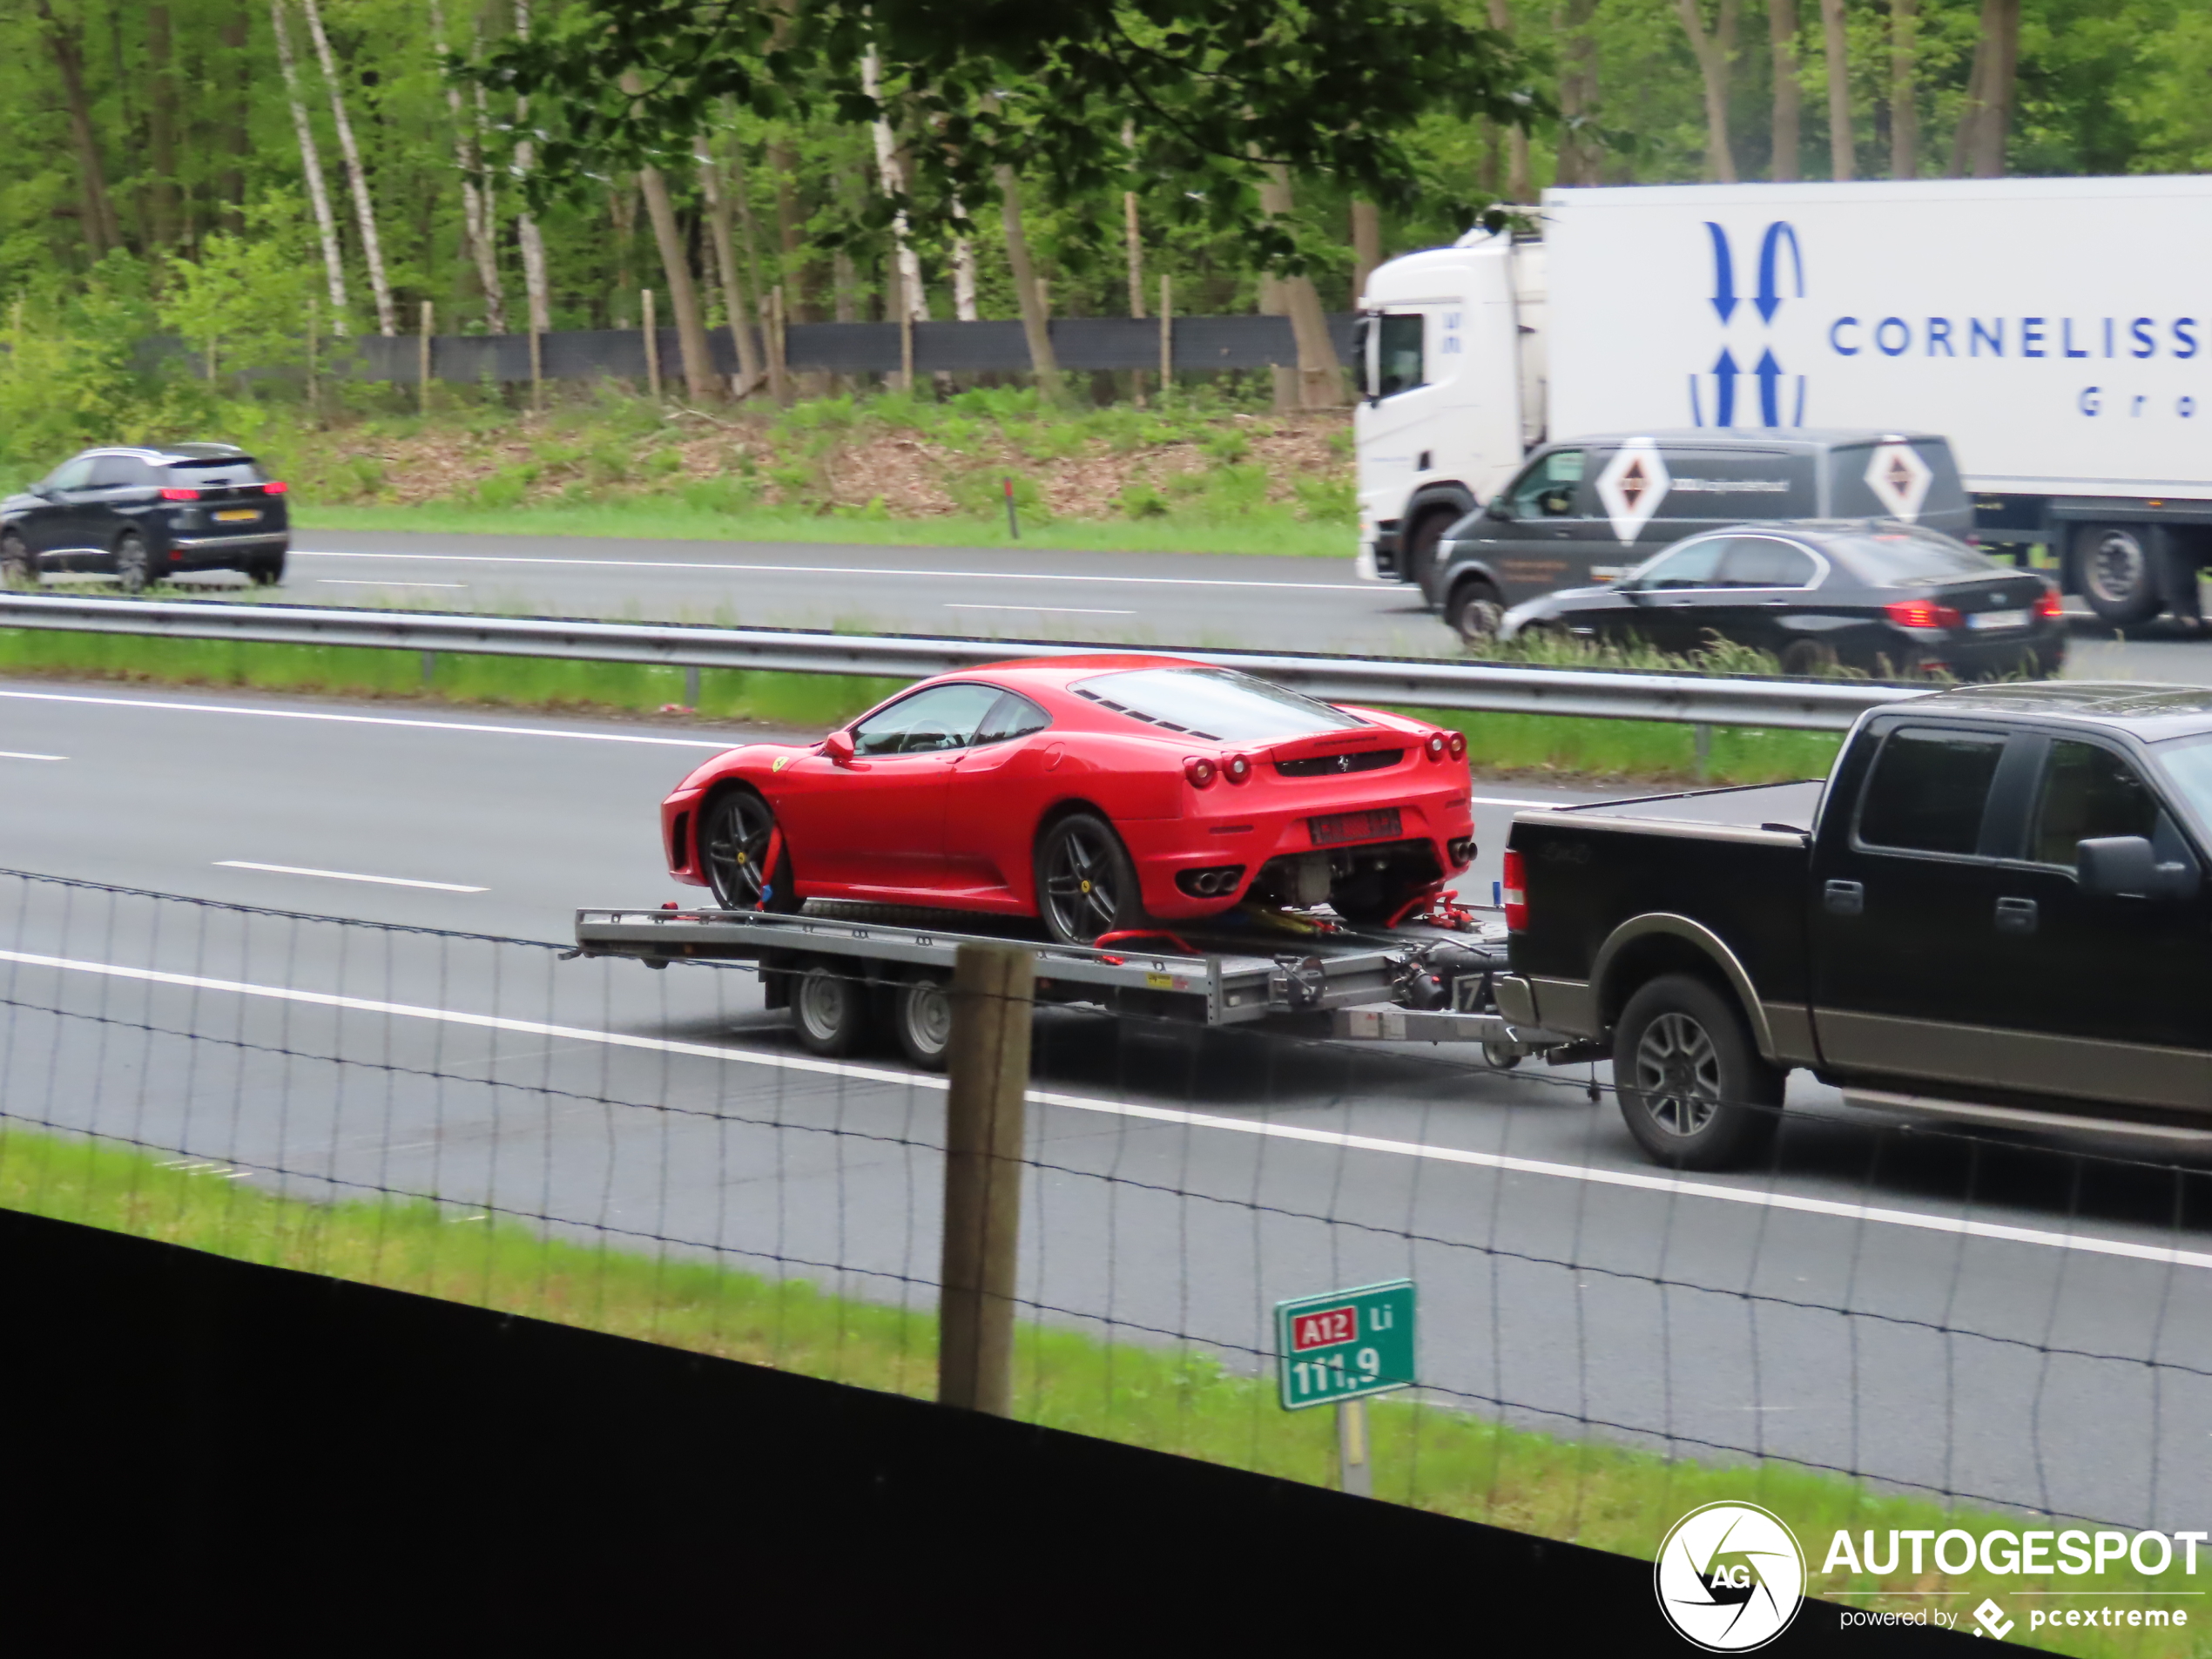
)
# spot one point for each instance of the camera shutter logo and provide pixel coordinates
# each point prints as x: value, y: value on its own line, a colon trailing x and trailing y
x: 1729, y: 1577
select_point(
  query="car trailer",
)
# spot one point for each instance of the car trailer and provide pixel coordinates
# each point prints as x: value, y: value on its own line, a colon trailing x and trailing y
x: 843, y: 974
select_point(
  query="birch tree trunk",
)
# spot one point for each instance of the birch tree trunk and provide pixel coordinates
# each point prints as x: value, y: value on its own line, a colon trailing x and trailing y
x: 1320, y: 375
x: 364, y: 210
x: 963, y: 272
x: 1789, y: 97
x: 1518, y: 185
x: 1035, y: 329
x: 1905, y: 99
x: 475, y: 197
x: 529, y: 237
x: 1978, y: 149
x: 102, y: 232
x: 676, y: 269
x: 333, y: 263
x: 1714, y: 53
x: 1842, y: 161
x: 1367, y: 244
x: 750, y: 371
x: 892, y: 174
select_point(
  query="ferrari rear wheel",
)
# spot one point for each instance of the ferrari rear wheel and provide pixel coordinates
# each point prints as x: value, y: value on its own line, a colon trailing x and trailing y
x: 1086, y: 885
x: 734, y: 833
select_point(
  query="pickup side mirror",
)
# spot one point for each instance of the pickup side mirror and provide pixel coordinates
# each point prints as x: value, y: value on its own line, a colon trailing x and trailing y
x: 2124, y: 866
x: 839, y: 747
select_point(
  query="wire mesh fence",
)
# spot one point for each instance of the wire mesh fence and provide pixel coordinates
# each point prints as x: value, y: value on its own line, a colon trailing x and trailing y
x: 1884, y: 1322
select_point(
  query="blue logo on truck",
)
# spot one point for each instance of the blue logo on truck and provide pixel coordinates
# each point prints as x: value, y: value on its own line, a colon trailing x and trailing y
x: 1775, y: 281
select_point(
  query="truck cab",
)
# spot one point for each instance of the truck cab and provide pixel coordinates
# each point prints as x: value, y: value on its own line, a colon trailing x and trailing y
x: 1995, y: 910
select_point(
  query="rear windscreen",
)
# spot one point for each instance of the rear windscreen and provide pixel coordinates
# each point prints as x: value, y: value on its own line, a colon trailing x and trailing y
x: 212, y: 474
x: 1216, y: 704
x: 1905, y: 558
x: 1917, y: 481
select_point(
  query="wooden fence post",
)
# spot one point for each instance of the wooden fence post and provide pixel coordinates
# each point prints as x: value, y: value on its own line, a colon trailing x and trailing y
x: 779, y: 372
x: 422, y: 363
x: 537, y: 369
x: 993, y: 986
x: 652, y: 347
x: 1167, y: 336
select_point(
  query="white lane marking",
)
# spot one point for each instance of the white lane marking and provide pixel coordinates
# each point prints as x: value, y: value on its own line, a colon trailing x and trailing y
x: 1054, y: 611
x: 373, y: 719
x: 1530, y: 800
x: 1635, y: 1180
x: 345, y: 875
x: 365, y: 582
x: 844, y: 570
x: 10, y: 754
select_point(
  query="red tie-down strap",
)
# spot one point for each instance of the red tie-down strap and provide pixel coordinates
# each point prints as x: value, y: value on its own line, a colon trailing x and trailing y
x: 768, y: 864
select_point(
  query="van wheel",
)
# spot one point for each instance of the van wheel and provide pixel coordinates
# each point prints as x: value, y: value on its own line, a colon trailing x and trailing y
x: 1809, y: 659
x: 1693, y: 1087
x: 2114, y: 570
x: 1474, y: 612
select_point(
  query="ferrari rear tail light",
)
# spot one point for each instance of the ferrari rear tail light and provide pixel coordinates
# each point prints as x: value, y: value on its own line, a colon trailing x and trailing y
x: 1458, y: 742
x: 274, y: 486
x: 1513, y: 894
x: 1199, y: 770
x: 1922, y: 613
x: 174, y: 494
x: 2050, y: 604
x: 1436, y: 746
x: 1238, y: 769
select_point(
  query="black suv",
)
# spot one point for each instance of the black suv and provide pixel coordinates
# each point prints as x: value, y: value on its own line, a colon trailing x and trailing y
x: 143, y: 515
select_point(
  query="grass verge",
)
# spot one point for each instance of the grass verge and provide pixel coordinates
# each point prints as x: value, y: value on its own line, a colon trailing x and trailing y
x: 1561, y: 745
x: 1182, y: 1402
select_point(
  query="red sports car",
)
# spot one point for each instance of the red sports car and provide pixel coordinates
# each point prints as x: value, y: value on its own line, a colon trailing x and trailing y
x: 1096, y: 794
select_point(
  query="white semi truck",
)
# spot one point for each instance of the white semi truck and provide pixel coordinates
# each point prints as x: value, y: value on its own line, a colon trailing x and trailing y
x: 2057, y: 331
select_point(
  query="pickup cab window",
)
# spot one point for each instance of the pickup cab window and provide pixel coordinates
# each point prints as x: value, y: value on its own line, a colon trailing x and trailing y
x: 1928, y: 789
x: 2088, y: 791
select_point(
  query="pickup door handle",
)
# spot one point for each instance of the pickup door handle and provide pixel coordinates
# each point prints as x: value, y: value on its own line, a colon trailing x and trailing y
x: 2016, y: 916
x: 1844, y: 898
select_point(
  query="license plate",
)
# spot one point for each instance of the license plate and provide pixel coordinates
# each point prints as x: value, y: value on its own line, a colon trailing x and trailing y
x: 1998, y: 619
x: 1339, y: 828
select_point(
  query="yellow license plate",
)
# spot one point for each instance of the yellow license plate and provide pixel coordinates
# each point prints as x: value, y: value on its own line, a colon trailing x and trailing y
x: 238, y: 515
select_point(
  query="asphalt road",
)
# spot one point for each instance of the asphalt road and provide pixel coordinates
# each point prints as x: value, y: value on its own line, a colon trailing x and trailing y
x: 1152, y: 599
x: 1915, y: 1290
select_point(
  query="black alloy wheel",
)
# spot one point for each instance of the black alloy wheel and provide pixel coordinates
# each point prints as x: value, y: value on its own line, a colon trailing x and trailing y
x: 133, y: 564
x: 1693, y: 1087
x: 734, y: 831
x: 1086, y: 885
x: 16, y: 569
x: 921, y: 1020
x: 2114, y: 570
x: 1474, y: 612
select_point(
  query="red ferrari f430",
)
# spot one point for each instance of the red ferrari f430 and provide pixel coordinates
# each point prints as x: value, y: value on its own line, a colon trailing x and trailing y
x: 1096, y: 794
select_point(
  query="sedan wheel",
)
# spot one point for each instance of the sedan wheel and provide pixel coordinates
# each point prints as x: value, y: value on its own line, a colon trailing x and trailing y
x: 1086, y: 886
x: 1809, y: 659
x: 133, y: 566
x: 734, y: 834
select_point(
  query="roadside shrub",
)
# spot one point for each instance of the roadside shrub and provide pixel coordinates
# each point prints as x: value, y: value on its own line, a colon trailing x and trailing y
x: 1139, y: 500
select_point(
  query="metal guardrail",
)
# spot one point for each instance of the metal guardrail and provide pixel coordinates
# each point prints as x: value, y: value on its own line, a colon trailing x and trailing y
x: 1808, y: 705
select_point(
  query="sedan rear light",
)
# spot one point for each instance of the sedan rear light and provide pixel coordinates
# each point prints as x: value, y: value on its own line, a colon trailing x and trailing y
x: 1238, y: 769
x: 174, y: 494
x: 274, y: 486
x: 2050, y: 604
x: 1922, y: 613
x: 1458, y: 746
x: 1513, y: 895
x: 1199, y: 770
x: 1436, y: 746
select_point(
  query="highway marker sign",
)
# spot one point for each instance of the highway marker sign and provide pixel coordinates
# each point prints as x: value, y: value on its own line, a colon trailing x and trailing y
x: 1345, y: 1346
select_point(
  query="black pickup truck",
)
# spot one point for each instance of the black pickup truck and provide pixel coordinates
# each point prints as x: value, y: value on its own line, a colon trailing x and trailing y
x: 1995, y: 909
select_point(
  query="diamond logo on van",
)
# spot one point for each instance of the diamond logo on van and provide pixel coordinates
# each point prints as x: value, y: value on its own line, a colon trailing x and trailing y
x: 1633, y: 484
x: 1899, y: 478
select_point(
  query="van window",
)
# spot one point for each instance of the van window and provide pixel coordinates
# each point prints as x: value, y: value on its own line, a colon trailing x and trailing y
x: 1397, y: 353
x: 1723, y: 484
x: 1942, y: 502
x: 1928, y: 789
x: 1547, y: 489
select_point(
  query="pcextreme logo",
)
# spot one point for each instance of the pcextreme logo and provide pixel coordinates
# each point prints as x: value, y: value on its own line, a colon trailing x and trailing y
x: 1729, y: 1577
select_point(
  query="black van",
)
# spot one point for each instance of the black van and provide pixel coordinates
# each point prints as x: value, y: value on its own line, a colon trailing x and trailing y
x: 1585, y: 511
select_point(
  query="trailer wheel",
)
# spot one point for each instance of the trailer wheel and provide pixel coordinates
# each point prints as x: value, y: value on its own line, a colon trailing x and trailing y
x: 921, y: 1018
x: 1692, y: 1086
x: 2114, y: 570
x: 829, y: 1009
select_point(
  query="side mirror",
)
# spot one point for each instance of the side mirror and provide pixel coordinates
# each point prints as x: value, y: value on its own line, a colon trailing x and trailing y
x: 2123, y: 867
x: 839, y: 747
x: 1497, y: 509
x: 43, y: 490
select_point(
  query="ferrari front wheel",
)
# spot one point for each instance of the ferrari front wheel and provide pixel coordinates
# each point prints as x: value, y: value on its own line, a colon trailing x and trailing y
x: 737, y: 840
x: 1086, y: 885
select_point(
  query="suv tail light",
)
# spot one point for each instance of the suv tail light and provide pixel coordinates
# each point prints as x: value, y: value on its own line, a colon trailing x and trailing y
x: 1922, y: 613
x: 274, y: 486
x: 2050, y: 604
x: 1515, y: 894
x: 1199, y: 770
x: 173, y: 493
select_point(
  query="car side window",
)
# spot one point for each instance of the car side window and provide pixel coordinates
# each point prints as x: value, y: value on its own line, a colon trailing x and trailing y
x: 1012, y: 716
x: 1547, y: 489
x: 1928, y: 790
x: 71, y: 475
x: 116, y: 472
x: 2088, y: 792
x: 1762, y: 561
x: 1694, y: 565
x: 1398, y: 366
x: 944, y: 717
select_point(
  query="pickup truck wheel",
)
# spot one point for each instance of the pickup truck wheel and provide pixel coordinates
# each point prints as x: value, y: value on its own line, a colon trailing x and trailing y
x: 1692, y: 1087
x: 2114, y: 570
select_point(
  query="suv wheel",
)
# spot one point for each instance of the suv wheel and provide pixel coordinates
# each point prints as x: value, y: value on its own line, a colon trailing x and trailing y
x: 16, y: 569
x: 133, y: 565
x: 2114, y: 567
x: 1692, y: 1086
x: 266, y: 570
x: 1474, y: 611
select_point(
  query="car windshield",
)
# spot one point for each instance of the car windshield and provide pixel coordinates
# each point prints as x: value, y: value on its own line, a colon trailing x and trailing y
x: 209, y: 474
x: 2188, y: 764
x: 1216, y: 704
x: 1899, y: 558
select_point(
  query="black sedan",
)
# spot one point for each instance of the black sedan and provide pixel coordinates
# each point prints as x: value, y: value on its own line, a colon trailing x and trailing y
x: 1889, y: 599
x: 143, y: 515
